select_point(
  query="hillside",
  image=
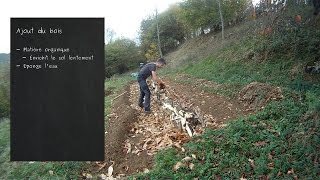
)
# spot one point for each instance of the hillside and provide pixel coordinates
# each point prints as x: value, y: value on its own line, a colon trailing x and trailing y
x: 260, y: 108
x: 280, y: 140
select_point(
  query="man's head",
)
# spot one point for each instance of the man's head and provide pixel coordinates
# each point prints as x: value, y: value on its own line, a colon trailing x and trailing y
x: 161, y: 62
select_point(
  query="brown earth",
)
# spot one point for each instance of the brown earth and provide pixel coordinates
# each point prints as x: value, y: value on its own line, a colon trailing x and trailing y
x: 120, y: 121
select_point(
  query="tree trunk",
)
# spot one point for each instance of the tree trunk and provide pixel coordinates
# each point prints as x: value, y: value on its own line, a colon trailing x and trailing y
x: 221, y: 18
x: 158, y: 33
x: 254, y: 14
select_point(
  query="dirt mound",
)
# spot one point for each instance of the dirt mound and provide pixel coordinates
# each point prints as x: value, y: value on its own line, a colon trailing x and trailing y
x: 256, y: 95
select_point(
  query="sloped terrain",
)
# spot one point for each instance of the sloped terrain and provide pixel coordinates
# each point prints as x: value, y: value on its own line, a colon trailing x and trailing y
x: 261, y: 109
x: 133, y: 138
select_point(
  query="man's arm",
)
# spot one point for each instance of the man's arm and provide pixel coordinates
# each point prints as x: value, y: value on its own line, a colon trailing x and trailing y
x: 155, y: 77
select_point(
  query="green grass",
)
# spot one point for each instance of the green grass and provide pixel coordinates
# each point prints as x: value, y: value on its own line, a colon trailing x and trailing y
x: 232, y: 69
x: 291, y: 142
x: 292, y: 136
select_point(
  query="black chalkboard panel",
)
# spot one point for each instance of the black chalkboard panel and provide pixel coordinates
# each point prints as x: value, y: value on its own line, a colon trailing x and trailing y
x: 57, y: 89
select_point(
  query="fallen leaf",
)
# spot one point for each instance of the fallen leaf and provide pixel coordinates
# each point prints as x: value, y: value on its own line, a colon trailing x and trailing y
x: 260, y: 143
x: 120, y: 176
x: 103, y: 176
x: 271, y: 165
x: 146, y: 170
x: 191, y: 166
x: 88, y: 176
x: 252, y: 163
x: 146, y: 143
x: 101, y: 166
x: 178, y: 165
x: 193, y: 156
x: 128, y: 147
x: 158, y: 140
x: 110, y: 169
x: 290, y: 171
x: 187, y: 159
x: 177, y: 145
x: 126, y: 168
x: 279, y: 174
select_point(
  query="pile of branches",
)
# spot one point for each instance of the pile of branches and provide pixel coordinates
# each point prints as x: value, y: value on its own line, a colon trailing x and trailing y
x: 182, y: 116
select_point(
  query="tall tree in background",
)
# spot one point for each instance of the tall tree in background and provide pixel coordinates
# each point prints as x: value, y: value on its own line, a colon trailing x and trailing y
x: 110, y: 34
x: 171, y: 32
x: 158, y: 34
x: 199, y: 16
x: 188, y: 19
x: 221, y: 19
x: 147, y: 34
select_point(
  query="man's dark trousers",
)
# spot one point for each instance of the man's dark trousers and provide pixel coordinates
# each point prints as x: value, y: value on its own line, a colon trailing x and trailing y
x: 144, y: 93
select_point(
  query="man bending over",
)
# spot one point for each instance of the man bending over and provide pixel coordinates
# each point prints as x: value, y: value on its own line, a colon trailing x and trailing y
x: 146, y: 71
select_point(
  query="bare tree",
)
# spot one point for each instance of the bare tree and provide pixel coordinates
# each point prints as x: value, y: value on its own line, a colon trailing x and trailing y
x: 158, y: 33
x: 110, y: 34
x: 221, y: 18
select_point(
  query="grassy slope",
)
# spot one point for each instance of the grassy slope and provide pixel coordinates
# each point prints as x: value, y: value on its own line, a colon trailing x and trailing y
x: 280, y: 142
